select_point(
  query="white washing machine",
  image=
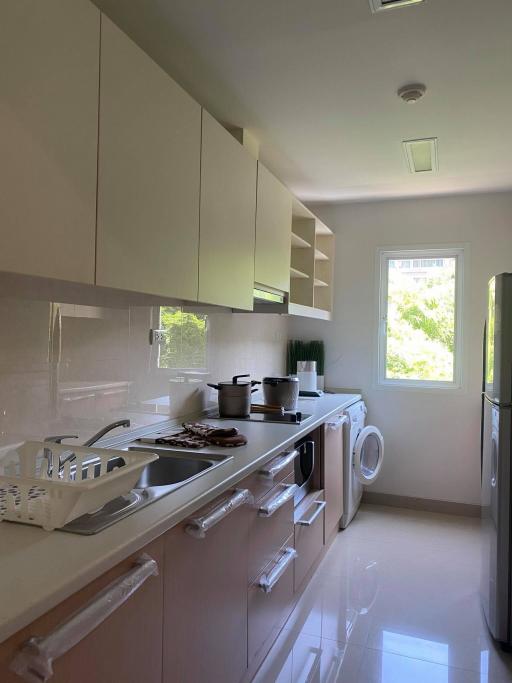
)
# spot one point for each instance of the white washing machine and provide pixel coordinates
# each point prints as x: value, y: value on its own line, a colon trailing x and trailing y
x: 363, y: 453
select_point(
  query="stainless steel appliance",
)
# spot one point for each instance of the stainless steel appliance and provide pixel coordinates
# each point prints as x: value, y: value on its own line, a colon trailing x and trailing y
x: 304, y: 468
x: 496, y: 473
x: 281, y: 391
x: 235, y: 396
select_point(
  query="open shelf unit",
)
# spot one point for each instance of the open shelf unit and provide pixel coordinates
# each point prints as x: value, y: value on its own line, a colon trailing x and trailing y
x: 312, y: 261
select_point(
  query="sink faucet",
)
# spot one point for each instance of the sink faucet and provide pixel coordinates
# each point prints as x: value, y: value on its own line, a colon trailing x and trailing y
x: 96, y: 437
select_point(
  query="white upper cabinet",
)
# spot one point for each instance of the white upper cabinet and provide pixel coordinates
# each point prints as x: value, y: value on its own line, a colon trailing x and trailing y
x: 148, y: 174
x: 228, y: 217
x: 49, y: 56
x: 273, y: 232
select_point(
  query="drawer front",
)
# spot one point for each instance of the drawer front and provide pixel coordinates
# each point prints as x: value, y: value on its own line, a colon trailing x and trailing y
x: 269, y: 532
x: 309, y: 535
x: 271, y: 473
x: 267, y: 610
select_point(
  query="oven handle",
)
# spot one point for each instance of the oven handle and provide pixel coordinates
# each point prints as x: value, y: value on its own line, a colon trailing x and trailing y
x: 308, y: 522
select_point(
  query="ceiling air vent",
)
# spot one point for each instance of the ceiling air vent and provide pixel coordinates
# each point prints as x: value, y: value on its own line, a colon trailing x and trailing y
x: 380, y: 5
x: 421, y: 155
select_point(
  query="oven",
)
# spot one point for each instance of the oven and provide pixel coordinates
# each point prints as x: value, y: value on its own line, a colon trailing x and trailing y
x: 304, y: 468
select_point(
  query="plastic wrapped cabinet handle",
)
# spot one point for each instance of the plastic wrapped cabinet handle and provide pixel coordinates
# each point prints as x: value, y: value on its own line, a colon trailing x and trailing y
x: 337, y: 423
x: 33, y: 662
x: 320, y: 504
x: 198, y: 526
x: 278, y: 464
x: 268, y: 581
x: 278, y: 500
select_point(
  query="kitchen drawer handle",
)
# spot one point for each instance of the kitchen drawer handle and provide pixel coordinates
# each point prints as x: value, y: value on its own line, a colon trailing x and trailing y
x: 33, y: 662
x: 198, y: 526
x: 278, y: 500
x: 337, y: 423
x: 320, y: 504
x: 268, y: 581
x: 278, y: 464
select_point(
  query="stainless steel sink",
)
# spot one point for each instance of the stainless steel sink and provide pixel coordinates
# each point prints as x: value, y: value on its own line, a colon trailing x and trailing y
x: 161, y: 477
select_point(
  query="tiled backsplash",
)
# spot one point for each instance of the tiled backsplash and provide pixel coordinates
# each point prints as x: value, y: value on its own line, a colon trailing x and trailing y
x: 98, y: 366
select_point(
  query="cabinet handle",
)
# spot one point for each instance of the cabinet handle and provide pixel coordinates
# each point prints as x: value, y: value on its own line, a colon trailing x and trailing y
x: 337, y: 423
x: 33, y: 662
x: 278, y: 500
x: 320, y: 504
x: 268, y: 581
x: 198, y: 526
x: 278, y: 464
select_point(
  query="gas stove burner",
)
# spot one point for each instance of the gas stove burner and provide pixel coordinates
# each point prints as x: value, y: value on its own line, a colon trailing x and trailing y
x: 296, y: 417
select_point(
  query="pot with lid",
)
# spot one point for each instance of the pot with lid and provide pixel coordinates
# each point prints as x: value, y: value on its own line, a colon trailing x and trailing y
x: 281, y: 391
x: 235, y: 396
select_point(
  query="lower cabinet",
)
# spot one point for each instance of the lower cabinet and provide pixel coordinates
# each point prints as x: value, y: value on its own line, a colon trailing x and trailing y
x: 125, y: 648
x: 333, y: 473
x: 309, y: 534
x: 205, y: 595
x: 270, y: 599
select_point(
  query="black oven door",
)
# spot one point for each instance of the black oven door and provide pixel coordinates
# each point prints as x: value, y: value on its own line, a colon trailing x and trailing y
x: 304, y: 465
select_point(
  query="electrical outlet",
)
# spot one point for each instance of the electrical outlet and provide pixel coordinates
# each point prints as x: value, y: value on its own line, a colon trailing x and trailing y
x: 157, y: 336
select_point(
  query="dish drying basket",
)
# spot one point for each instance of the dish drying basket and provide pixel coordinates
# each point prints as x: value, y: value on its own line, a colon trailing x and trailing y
x: 86, y: 483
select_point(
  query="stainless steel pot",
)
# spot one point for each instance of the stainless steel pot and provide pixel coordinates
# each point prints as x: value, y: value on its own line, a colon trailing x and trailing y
x: 281, y: 391
x: 235, y: 396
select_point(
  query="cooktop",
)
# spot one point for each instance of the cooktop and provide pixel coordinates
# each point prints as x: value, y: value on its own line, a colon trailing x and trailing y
x: 287, y: 418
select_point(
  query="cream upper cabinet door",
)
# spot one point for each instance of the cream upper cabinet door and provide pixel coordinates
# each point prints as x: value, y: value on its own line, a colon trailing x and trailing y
x: 49, y: 56
x: 273, y: 232
x: 148, y: 174
x: 228, y: 217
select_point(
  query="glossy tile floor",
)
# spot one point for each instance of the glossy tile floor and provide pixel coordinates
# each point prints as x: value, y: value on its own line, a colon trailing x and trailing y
x: 395, y: 600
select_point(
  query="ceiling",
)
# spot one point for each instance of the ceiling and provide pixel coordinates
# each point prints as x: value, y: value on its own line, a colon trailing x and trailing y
x: 316, y: 82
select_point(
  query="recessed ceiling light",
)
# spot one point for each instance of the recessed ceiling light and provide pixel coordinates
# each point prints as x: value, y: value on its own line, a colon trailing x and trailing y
x: 421, y: 155
x: 412, y: 92
x: 379, y: 5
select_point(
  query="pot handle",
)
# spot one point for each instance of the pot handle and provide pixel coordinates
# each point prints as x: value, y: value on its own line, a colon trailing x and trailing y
x: 213, y: 386
x: 254, y: 382
x: 237, y: 377
x: 253, y: 391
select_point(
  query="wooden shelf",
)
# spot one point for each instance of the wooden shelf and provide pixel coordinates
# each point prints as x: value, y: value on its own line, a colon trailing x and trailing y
x: 308, y: 312
x: 321, y: 229
x: 320, y: 283
x: 299, y: 243
x: 320, y: 256
x: 296, y: 274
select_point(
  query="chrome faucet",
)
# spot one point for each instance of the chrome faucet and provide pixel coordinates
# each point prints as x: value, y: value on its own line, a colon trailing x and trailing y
x: 48, y: 454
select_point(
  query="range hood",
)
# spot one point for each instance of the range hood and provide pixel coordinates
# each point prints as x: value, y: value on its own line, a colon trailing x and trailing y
x: 268, y: 296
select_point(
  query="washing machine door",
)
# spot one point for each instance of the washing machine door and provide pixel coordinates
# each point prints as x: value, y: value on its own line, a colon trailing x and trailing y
x: 368, y: 454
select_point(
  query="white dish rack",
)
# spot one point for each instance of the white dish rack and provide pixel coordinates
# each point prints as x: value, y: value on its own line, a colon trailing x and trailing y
x: 84, y: 484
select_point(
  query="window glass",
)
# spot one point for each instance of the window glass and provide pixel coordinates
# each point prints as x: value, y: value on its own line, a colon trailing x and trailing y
x: 419, y: 298
x: 185, y: 344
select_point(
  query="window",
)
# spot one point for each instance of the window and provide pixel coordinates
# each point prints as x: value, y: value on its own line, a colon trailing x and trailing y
x: 420, y: 316
x: 185, y: 342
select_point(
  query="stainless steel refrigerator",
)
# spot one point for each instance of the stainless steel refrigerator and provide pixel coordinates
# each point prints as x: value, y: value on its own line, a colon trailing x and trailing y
x: 496, y: 589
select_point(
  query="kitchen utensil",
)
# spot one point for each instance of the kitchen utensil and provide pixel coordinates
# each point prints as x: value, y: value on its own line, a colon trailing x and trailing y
x: 94, y: 477
x: 263, y: 408
x: 282, y: 391
x: 235, y: 396
x: 306, y: 372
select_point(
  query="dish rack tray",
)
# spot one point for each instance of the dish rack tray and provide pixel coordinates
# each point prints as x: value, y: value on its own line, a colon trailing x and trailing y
x: 92, y: 478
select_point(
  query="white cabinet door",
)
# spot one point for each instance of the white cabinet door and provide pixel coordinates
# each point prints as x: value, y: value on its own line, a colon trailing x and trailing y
x: 273, y: 232
x: 228, y: 217
x: 49, y: 52
x: 149, y: 174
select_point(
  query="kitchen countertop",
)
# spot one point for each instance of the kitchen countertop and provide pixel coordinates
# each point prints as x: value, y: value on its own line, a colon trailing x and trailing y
x: 39, y: 569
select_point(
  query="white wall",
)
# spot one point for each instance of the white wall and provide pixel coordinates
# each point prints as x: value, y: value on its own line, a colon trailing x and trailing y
x: 432, y: 438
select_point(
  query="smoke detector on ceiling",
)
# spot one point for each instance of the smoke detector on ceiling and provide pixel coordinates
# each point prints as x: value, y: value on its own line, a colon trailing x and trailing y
x: 379, y: 5
x: 412, y: 92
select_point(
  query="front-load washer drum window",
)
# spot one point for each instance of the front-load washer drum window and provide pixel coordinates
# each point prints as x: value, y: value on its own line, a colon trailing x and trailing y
x: 368, y: 454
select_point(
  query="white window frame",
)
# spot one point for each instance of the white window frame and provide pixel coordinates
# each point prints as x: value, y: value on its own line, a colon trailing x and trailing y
x: 384, y: 255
